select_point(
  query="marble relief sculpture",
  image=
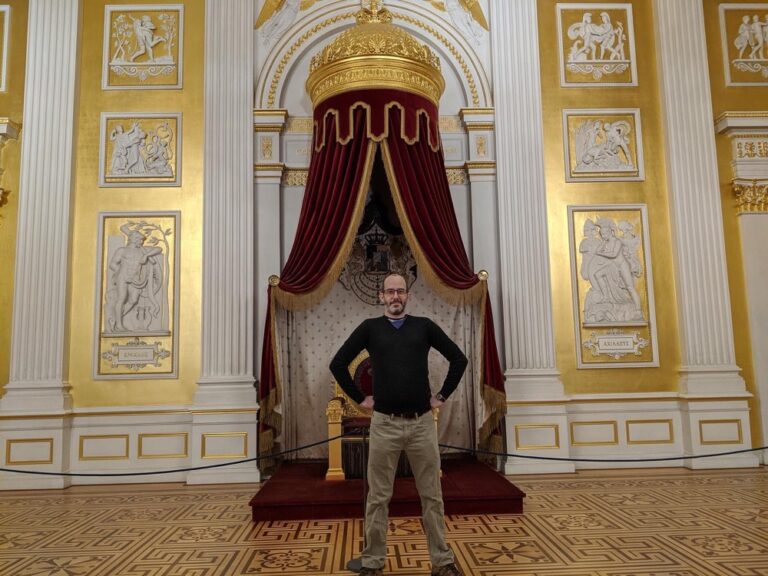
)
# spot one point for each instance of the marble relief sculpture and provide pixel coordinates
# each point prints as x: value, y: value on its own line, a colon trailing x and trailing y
x: 138, y: 153
x: 140, y: 149
x: 142, y: 46
x: 136, y: 299
x: 752, y: 44
x: 610, y: 264
x: 744, y: 41
x: 467, y: 16
x: 596, y: 44
x: 276, y: 16
x: 603, y: 146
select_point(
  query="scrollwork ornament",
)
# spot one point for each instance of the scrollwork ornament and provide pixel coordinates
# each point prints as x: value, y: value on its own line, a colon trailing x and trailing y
x: 751, y: 196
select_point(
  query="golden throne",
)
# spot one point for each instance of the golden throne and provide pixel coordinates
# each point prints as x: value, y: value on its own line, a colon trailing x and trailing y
x: 347, y: 417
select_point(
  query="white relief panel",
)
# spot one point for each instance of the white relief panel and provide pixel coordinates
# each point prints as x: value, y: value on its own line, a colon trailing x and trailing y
x: 744, y: 37
x: 596, y: 44
x: 143, y: 46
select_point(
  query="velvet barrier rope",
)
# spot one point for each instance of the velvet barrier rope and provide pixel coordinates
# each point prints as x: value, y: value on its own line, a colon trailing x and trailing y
x: 474, y: 451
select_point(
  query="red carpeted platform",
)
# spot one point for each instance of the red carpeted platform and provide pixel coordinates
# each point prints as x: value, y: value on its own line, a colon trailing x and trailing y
x: 299, y: 491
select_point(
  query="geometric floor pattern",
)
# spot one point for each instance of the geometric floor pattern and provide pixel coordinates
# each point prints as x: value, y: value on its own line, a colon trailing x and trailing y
x: 672, y: 522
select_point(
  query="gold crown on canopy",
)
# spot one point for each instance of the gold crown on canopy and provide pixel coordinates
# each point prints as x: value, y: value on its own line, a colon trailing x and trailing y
x: 375, y: 54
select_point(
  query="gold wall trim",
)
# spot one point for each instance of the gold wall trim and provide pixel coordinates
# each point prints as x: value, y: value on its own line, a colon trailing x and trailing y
x: 267, y: 127
x: 11, y: 441
x: 204, y: 446
x: 480, y: 126
x: 456, y: 175
x: 744, y: 114
x: 184, y: 454
x: 268, y: 167
x: 670, y: 429
x: 83, y: 439
x: 739, y: 440
x: 300, y: 125
x: 612, y: 423
x: 476, y: 111
x: 451, y: 48
x: 519, y: 427
x: 479, y: 164
x: 451, y: 124
x: 751, y: 197
x: 295, y: 46
x: 271, y: 112
x: 295, y: 177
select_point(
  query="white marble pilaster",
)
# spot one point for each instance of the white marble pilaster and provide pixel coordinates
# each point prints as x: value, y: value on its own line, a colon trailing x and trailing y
x: 706, y: 330
x: 530, y: 368
x: 747, y: 133
x: 37, y: 385
x: 227, y: 374
x: 37, y: 380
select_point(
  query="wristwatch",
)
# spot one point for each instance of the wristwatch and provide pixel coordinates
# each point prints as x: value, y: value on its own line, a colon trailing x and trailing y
x: 439, y: 397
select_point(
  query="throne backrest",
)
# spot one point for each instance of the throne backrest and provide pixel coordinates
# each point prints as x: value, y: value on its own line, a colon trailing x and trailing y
x: 361, y: 371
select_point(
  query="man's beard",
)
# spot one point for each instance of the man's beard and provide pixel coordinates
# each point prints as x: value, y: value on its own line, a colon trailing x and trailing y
x: 399, y: 305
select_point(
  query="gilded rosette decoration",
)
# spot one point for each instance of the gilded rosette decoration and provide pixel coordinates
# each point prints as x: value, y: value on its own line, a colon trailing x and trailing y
x: 375, y: 54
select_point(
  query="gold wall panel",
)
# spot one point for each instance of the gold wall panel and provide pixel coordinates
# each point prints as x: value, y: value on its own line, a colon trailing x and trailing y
x: 46, y: 444
x: 89, y: 200
x: 523, y: 443
x: 706, y: 437
x: 613, y: 281
x: 166, y: 441
x: 140, y: 149
x: 596, y: 44
x: 122, y: 444
x: 652, y: 192
x: 143, y: 46
x: 595, y: 425
x: 602, y: 145
x: 138, y: 295
x: 745, y: 52
x: 731, y: 98
x: 11, y: 106
x: 670, y: 438
x: 214, y: 445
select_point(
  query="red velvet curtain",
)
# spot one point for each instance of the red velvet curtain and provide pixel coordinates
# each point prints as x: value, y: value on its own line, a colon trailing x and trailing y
x: 347, y: 128
x: 420, y: 187
x: 337, y: 173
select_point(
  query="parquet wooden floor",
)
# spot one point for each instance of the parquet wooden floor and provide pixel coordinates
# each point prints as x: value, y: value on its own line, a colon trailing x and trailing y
x: 597, y: 523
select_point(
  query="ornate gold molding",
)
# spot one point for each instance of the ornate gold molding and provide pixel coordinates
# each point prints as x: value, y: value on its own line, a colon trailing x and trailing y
x: 456, y: 175
x: 295, y: 177
x: 295, y: 46
x: 751, y: 197
x: 452, y: 49
x: 374, y: 54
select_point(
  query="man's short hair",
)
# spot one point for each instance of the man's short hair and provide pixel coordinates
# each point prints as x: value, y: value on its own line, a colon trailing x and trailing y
x: 392, y: 273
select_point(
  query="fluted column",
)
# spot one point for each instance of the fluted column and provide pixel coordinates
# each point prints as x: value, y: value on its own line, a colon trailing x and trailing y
x: 715, y: 410
x: 530, y: 370
x: 708, y: 358
x: 225, y: 402
x: 37, y: 380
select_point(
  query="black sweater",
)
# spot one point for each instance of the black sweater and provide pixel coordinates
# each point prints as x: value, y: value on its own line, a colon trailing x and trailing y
x: 399, y: 362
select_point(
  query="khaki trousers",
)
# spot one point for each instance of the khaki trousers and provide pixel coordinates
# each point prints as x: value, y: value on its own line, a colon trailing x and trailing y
x: 418, y: 438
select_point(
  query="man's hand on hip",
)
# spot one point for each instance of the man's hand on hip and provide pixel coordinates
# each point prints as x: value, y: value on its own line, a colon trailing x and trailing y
x: 367, y: 403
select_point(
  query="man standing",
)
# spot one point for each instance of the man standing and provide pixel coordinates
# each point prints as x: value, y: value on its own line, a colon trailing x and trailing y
x: 402, y: 404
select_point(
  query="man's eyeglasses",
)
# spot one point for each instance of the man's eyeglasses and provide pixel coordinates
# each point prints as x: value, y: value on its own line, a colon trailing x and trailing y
x: 393, y: 291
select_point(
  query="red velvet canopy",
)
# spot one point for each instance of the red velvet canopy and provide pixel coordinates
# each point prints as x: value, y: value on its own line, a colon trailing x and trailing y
x: 349, y: 128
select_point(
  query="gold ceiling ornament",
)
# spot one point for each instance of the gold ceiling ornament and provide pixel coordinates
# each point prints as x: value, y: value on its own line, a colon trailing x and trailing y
x: 375, y: 54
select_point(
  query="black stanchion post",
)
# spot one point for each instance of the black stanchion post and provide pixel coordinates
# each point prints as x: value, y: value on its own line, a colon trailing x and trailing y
x: 356, y: 564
